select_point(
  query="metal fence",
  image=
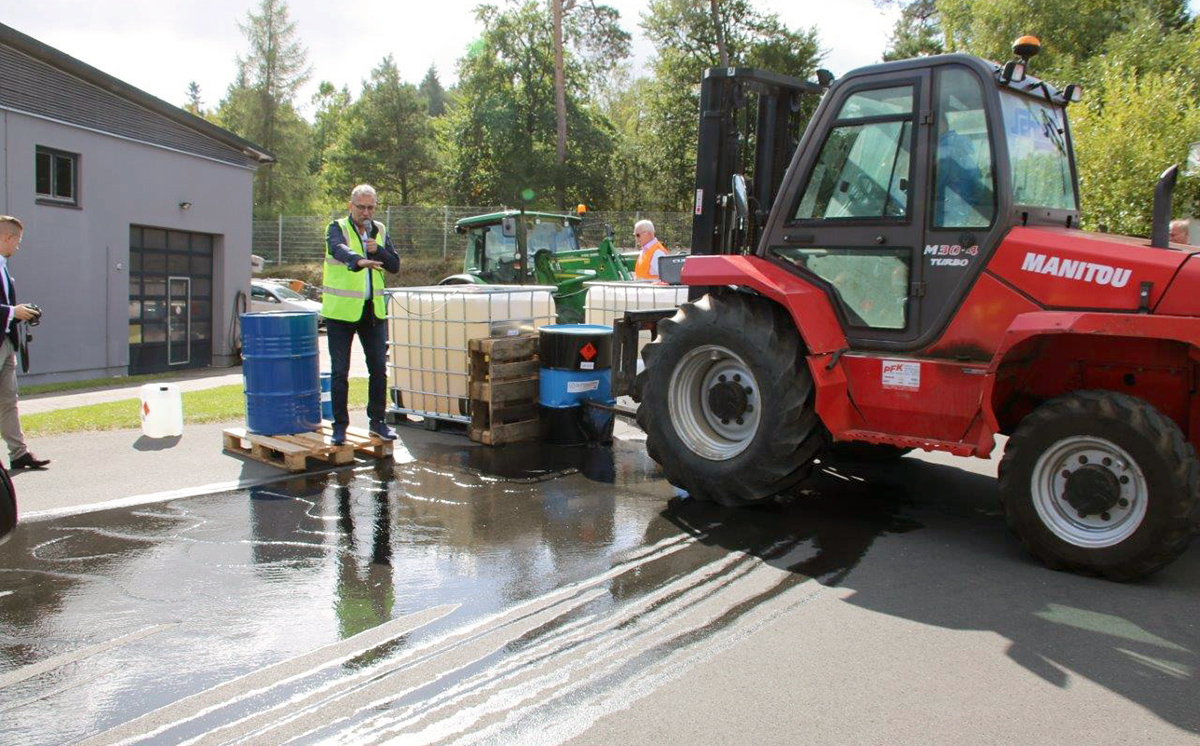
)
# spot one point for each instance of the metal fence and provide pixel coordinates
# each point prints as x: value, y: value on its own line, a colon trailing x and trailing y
x: 298, y: 239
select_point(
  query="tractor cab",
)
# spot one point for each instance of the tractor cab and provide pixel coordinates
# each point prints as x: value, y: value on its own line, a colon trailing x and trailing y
x: 501, y: 246
x: 540, y: 248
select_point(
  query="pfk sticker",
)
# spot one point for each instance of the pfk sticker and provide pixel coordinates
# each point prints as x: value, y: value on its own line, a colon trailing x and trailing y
x: 901, y: 374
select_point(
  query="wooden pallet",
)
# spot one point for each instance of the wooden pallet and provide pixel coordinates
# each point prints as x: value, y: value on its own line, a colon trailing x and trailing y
x: 292, y: 452
x: 503, y: 389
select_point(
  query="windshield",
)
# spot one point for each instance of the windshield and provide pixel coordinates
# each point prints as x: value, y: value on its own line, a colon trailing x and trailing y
x: 555, y: 236
x: 1038, y: 153
x: 286, y: 293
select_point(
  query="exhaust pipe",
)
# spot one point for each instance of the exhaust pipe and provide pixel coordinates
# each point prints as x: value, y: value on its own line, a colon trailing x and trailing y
x: 1160, y: 228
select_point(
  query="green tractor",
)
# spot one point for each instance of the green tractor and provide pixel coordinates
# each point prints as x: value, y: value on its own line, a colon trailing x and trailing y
x: 516, y: 247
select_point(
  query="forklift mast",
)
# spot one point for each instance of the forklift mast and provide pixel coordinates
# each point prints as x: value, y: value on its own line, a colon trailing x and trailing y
x: 750, y: 124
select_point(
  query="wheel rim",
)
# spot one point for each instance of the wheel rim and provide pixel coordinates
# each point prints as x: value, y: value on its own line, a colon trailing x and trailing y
x: 1089, y: 492
x: 714, y: 402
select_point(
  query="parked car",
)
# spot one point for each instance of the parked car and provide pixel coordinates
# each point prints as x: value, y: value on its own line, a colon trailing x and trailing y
x: 270, y: 296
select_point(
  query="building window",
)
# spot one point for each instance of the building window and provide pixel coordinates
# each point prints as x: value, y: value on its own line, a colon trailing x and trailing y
x: 57, y: 176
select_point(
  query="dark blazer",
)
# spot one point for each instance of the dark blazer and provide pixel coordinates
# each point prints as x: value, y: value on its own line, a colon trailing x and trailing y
x: 8, y: 299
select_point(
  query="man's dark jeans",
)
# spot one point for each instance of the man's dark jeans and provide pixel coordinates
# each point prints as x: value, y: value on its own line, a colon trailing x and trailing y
x: 373, y: 337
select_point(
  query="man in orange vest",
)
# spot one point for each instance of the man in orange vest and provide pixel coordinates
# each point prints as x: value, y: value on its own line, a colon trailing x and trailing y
x: 652, y: 251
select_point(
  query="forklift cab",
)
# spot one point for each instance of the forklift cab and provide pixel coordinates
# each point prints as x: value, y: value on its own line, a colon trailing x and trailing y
x: 907, y: 178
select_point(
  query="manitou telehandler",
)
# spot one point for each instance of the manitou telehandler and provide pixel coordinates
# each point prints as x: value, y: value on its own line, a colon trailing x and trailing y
x: 917, y: 279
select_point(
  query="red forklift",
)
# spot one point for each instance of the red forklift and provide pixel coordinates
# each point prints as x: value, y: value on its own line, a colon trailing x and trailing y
x: 909, y: 273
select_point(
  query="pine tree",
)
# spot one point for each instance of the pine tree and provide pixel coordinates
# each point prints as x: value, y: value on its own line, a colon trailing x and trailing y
x: 435, y: 96
x: 194, y: 104
x: 260, y: 106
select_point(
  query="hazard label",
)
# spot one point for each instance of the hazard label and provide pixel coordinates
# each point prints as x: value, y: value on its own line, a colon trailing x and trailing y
x: 588, y: 351
x: 901, y: 374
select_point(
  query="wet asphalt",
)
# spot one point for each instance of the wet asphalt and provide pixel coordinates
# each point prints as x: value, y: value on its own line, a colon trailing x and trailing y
x: 529, y: 594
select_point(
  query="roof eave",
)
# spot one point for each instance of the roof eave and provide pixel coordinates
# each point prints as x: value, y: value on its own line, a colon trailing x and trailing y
x: 51, y: 56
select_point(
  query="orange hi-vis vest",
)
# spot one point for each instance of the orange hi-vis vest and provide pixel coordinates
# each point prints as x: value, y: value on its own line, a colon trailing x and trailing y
x: 644, y: 269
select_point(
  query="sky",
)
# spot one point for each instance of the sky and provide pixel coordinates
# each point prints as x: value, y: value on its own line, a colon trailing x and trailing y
x: 161, y: 46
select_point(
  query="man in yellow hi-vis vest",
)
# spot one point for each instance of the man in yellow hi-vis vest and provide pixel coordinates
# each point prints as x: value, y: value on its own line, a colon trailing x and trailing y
x: 352, y: 302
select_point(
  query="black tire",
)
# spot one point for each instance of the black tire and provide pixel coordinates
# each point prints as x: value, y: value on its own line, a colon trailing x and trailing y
x: 865, y: 453
x: 1159, y: 483
x: 786, y: 433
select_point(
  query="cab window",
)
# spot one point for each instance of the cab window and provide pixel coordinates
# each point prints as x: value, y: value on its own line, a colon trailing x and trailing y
x: 963, y: 179
x: 871, y: 284
x: 863, y: 168
x: 497, y: 246
x: 1037, y: 152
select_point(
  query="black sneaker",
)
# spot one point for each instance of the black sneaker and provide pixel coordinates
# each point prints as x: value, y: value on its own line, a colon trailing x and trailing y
x: 381, y: 430
x: 338, y: 437
x: 29, y: 461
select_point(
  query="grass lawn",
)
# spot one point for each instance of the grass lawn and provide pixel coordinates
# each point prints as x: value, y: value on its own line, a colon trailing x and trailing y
x: 94, y: 383
x: 219, y: 404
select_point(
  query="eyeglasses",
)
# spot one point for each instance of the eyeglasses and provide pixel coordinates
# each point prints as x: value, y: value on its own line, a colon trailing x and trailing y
x: 364, y: 208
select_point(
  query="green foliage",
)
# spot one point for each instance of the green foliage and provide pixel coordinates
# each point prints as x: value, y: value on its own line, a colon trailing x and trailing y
x: 194, y: 105
x: 433, y: 93
x: 685, y: 35
x: 917, y: 32
x: 624, y: 104
x: 1134, y: 128
x: 1071, y: 31
x: 259, y: 107
x: 500, y: 137
x: 1142, y: 89
x: 385, y: 140
x: 328, y: 122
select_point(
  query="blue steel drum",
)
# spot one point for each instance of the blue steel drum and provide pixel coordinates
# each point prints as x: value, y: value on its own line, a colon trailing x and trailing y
x: 327, y: 396
x: 576, y: 367
x: 280, y: 365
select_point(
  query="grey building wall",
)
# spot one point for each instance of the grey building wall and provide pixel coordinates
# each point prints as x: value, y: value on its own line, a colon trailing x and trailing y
x: 74, y: 263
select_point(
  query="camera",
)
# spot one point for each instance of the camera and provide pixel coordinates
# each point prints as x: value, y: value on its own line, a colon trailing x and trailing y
x: 37, y: 317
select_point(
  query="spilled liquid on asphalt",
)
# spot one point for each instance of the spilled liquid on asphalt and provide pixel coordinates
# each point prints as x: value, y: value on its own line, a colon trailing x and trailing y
x: 470, y: 594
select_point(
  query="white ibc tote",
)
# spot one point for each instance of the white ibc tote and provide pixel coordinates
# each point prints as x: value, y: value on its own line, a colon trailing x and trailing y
x: 161, y: 410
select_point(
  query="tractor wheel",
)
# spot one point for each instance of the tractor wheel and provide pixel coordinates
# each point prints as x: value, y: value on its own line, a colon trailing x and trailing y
x: 1100, y: 483
x: 728, y: 403
x: 865, y: 453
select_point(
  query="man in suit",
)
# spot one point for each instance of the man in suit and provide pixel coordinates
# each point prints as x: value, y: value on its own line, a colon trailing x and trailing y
x: 11, y: 312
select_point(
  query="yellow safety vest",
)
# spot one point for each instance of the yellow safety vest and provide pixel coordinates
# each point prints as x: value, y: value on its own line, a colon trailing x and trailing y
x: 343, y: 293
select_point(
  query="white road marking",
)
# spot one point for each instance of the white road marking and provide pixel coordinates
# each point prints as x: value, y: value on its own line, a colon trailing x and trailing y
x: 35, y: 669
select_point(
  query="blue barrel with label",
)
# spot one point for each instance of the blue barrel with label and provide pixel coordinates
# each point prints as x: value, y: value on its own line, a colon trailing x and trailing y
x: 281, y: 370
x: 576, y: 366
x: 327, y: 396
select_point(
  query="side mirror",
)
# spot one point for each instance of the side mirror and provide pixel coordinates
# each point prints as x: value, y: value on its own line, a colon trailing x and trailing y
x: 824, y: 78
x: 508, y: 227
x: 1073, y: 93
x: 1014, y: 72
x: 741, y: 202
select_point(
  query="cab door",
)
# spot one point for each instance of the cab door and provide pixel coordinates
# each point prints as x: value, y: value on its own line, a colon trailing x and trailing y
x: 855, y: 223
